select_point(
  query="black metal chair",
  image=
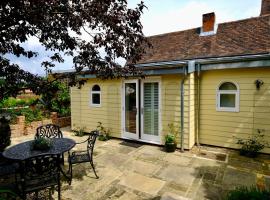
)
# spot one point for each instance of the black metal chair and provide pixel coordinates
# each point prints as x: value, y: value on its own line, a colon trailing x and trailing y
x: 49, y: 131
x: 84, y: 156
x: 39, y: 173
x: 8, y: 175
x: 7, y: 167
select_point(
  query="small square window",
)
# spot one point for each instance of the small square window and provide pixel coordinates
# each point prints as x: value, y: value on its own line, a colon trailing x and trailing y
x: 228, y: 97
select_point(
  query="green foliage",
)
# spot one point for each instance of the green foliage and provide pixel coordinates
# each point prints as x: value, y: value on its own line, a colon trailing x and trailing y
x: 57, y: 99
x: 31, y: 115
x: 171, y: 136
x: 252, y: 193
x: 104, y: 132
x: 252, y: 145
x: 5, y: 133
x: 41, y: 144
x: 11, y: 102
x: 79, y: 131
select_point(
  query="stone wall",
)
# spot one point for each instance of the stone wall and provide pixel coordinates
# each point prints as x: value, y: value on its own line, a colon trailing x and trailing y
x: 60, y: 121
x: 21, y: 128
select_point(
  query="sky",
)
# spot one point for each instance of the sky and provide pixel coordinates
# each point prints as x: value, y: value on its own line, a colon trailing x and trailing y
x: 162, y: 16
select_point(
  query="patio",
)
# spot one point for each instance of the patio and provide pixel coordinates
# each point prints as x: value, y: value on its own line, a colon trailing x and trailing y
x: 131, y: 171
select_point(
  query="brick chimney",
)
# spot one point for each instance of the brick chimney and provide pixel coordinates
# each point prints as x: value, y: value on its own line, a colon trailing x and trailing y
x: 209, y: 20
x: 265, y: 7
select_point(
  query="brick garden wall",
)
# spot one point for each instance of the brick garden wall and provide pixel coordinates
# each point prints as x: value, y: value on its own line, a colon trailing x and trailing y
x: 21, y: 128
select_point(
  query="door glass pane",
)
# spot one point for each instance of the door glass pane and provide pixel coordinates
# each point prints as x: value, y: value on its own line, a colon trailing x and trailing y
x: 130, y: 108
x: 227, y: 100
x: 151, y: 108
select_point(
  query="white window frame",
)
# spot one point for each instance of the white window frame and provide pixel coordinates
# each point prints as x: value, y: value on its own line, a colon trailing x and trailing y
x: 91, y: 97
x: 235, y: 92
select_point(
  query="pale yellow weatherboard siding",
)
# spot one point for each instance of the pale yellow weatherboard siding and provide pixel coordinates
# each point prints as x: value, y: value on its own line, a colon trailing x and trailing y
x: 109, y: 113
x: 171, y: 108
x: 219, y: 128
x: 86, y: 116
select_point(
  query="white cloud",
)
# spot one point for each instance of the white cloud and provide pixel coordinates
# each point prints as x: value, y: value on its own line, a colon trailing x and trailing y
x: 32, y: 42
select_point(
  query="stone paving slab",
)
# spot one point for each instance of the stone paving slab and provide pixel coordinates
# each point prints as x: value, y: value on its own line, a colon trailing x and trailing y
x: 172, y: 196
x: 132, y: 171
x: 178, y: 174
x: 144, y: 168
x: 142, y: 183
x: 234, y: 177
x: 112, y: 160
x: 177, y: 160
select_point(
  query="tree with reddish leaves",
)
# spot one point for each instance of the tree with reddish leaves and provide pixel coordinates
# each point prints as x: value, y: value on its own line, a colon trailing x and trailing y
x: 110, y: 26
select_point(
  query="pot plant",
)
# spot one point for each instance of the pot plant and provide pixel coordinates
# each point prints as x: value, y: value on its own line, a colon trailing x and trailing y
x: 42, y: 144
x: 253, y: 145
x: 170, y: 138
x: 104, y: 133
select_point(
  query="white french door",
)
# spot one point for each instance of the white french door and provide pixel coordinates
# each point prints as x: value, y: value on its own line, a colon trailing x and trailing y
x: 141, y: 110
x: 130, y: 109
x: 150, y: 110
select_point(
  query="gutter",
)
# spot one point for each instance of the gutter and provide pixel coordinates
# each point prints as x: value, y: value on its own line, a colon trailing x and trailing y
x: 182, y: 111
x: 207, y: 60
x: 233, y: 58
x: 176, y: 62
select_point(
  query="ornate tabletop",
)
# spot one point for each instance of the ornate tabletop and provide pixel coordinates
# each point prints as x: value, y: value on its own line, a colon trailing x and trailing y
x: 23, y: 150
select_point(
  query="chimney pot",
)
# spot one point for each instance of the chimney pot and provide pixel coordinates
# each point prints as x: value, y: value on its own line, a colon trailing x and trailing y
x: 265, y: 7
x: 209, y: 20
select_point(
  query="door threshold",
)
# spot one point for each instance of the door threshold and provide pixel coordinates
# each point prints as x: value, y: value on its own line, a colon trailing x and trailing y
x: 142, y: 141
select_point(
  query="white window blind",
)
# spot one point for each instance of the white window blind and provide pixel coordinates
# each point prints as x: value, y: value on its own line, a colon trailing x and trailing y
x: 151, y: 108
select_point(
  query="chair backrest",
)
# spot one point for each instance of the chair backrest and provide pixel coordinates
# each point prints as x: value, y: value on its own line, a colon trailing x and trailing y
x: 49, y: 131
x: 40, y: 172
x: 91, y: 141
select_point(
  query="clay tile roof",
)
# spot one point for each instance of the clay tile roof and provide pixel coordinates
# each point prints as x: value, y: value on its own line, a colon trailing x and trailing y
x: 249, y: 36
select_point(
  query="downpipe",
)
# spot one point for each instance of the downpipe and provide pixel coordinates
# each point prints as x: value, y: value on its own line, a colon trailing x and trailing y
x: 198, y: 103
x: 182, y: 110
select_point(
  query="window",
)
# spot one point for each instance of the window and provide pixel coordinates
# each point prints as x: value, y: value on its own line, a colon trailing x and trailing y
x: 228, y: 97
x: 95, y: 96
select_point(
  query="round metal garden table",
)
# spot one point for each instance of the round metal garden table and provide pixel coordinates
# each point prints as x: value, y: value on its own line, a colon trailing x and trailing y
x: 23, y: 150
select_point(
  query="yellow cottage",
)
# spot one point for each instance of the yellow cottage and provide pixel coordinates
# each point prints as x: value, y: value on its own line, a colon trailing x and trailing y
x: 213, y: 82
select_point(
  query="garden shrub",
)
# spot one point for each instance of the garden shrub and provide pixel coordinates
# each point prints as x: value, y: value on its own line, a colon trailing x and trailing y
x: 13, y: 102
x: 251, y: 146
x: 5, y: 133
x: 57, y: 99
x: 104, y: 133
x: 79, y: 131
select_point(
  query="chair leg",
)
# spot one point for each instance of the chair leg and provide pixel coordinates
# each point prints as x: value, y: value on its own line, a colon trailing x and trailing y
x: 59, y: 189
x: 36, y: 195
x: 70, y: 172
x: 92, y: 164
